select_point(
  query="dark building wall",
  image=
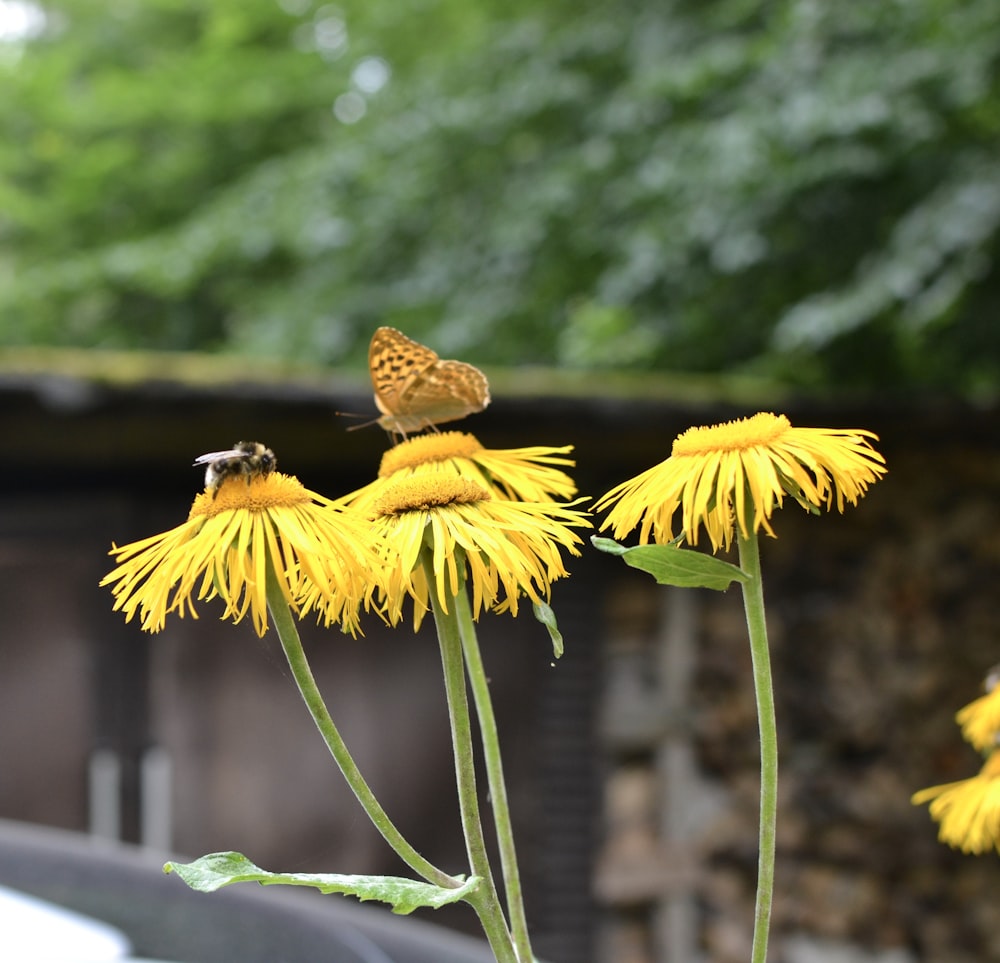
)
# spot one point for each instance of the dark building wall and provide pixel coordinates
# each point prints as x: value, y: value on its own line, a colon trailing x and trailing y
x: 882, y: 624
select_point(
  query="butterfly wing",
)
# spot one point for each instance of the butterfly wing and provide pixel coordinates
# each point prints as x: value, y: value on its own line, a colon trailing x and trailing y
x: 395, y: 361
x: 445, y: 392
x: 414, y: 389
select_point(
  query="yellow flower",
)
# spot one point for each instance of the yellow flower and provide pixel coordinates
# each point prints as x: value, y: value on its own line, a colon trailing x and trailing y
x: 317, y: 550
x: 737, y: 473
x: 516, y: 474
x: 980, y: 719
x: 504, y: 548
x: 968, y: 810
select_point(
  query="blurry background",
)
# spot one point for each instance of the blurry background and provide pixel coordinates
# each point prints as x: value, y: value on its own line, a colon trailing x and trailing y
x: 636, y: 217
x: 793, y: 189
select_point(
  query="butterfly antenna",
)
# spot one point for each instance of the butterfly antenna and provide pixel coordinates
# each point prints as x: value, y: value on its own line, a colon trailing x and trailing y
x: 354, y: 414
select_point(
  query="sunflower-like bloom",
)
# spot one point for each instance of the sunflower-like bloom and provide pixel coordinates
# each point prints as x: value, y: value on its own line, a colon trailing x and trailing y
x: 737, y: 474
x: 980, y: 719
x: 504, y: 548
x: 515, y: 474
x: 319, y: 553
x: 968, y: 810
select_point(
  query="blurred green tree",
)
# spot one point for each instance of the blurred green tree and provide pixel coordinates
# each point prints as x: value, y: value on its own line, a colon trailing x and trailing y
x: 804, y: 190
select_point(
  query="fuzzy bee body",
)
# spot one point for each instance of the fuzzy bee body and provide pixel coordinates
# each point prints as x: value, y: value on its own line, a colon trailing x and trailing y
x: 246, y: 459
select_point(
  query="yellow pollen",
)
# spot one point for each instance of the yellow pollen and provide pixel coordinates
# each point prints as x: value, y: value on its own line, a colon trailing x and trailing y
x: 271, y: 491
x: 759, y: 431
x: 428, y: 448
x: 424, y: 492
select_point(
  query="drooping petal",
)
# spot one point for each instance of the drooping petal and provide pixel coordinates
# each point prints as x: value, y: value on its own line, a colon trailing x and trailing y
x: 733, y: 476
x: 517, y: 474
x: 505, y: 548
x: 980, y: 720
x: 968, y: 811
x: 320, y: 553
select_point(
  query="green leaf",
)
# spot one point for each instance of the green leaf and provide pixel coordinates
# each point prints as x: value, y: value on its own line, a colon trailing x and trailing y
x: 670, y: 565
x: 216, y: 870
x: 259, y: 208
x: 608, y: 545
x: 545, y: 615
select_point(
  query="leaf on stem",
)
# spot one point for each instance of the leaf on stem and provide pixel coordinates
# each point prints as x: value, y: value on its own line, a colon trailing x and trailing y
x: 545, y: 615
x: 216, y: 870
x: 671, y: 565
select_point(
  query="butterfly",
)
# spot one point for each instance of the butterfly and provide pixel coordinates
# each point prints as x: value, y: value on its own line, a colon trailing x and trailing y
x: 415, y: 389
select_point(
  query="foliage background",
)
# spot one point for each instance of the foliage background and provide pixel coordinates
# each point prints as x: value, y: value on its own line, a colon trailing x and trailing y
x: 800, y: 190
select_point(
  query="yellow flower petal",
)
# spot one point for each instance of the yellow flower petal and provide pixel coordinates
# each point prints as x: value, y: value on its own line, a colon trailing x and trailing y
x: 517, y: 474
x: 320, y: 553
x: 980, y: 720
x: 968, y: 810
x: 736, y: 474
x: 506, y: 549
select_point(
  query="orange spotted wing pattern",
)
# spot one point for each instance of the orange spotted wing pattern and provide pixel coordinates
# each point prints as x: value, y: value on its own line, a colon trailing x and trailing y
x: 415, y: 389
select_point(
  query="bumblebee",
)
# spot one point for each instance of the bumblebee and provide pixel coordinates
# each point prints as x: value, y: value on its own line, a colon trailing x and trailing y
x: 246, y: 459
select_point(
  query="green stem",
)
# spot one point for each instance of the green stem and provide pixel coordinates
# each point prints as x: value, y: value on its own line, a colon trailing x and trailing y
x: 485, y: 900
x: 753, y: 603
x: 495, y: 778
x: 284, y: 624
